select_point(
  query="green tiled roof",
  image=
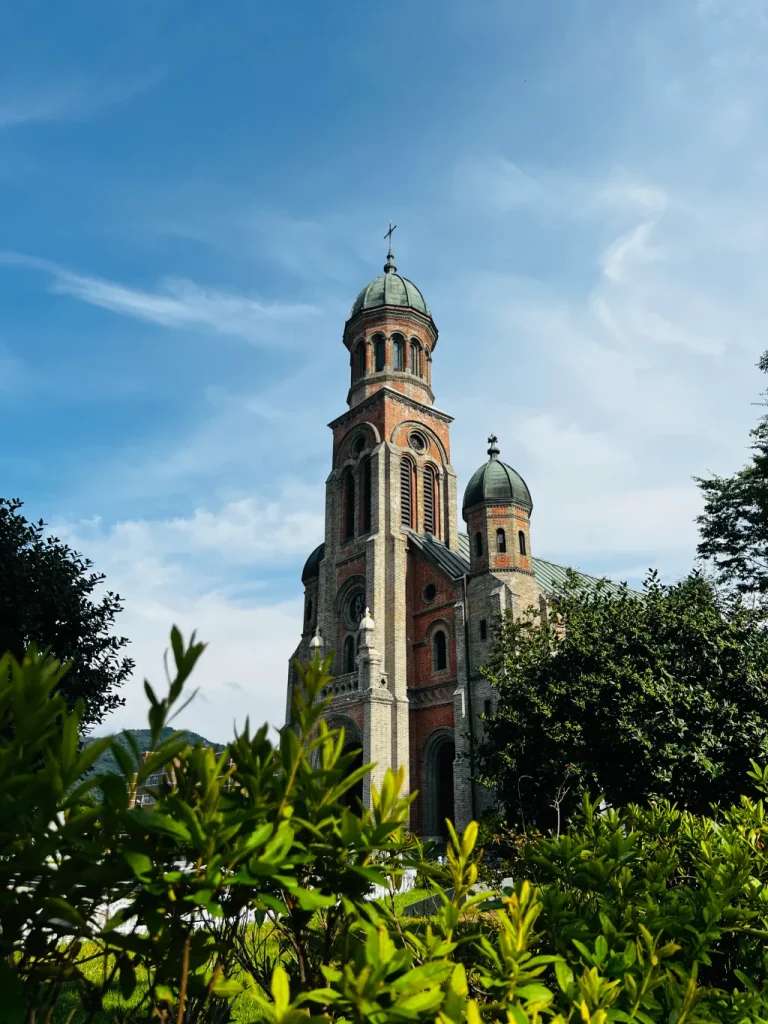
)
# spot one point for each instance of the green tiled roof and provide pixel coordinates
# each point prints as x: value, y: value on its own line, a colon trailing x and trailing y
x: 390, y: 289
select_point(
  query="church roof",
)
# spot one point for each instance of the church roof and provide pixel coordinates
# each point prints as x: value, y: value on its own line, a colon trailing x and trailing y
x: 549, y: 575
x: 390, y: 289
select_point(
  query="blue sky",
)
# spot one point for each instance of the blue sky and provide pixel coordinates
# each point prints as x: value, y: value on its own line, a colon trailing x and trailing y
x: 191, y: 197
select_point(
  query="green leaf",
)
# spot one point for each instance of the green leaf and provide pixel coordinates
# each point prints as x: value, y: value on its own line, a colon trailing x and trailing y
x: 564, y: 976
x: 140, y: 864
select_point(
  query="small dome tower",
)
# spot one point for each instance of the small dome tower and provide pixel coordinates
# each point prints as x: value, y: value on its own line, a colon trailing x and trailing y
x: 391, y: 336
x: 497, y: 509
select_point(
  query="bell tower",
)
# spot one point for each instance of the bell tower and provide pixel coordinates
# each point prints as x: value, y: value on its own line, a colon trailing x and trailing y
x: 391, y: 477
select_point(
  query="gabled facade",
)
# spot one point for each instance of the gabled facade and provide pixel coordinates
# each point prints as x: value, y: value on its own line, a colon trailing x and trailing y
x: 402, y: 597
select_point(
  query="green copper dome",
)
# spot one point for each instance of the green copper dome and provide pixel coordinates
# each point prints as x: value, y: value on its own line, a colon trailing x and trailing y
x: 495, y: 481
x: 390, y: 289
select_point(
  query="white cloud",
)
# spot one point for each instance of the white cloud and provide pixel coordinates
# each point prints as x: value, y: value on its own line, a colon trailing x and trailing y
x: 177, y: 303
x: 209, y: 572
x: 70, y: 99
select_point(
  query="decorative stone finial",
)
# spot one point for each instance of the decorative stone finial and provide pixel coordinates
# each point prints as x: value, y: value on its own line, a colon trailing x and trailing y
x: 493, y: 448
x: 389, y: 266
x: 367, y: 620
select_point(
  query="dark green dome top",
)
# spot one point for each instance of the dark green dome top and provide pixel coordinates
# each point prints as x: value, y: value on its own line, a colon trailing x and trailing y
x: 495, y: 481
x: 311, y: 568
x: 390, y: 289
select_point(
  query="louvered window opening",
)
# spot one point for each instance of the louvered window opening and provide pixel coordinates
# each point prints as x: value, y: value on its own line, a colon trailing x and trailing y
x: 367, y: 496
x: 406, y: 493
x: 430, y: 519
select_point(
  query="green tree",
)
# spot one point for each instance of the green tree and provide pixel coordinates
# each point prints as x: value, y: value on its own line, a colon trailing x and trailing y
x: 47, y: 599
x: 633, y: 696
x: 734, y: 524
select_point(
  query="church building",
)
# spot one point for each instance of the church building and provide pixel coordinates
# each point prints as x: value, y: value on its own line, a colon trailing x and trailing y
x: 403, y: 596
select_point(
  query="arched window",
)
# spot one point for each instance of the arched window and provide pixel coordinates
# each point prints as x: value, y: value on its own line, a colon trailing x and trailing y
x: 439, y: 651
x: 348, y: 510
x: 358, y: 363
x: 521, y: 542
x: 308, y: 615
x: 378, y: 352
x: 406, y: 492
x: 478, y: 544
x: 483, y: 629
x: 430, y: 500
x: 398, y: 351
x: 349, y: 654
x: 415, y: 358
x: 367, y: 497
x: 501, y: 541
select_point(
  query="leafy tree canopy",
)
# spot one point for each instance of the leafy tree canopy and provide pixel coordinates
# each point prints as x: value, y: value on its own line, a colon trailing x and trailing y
x: 47, y: 600
x: 734, y: 524
x: 655, y: 695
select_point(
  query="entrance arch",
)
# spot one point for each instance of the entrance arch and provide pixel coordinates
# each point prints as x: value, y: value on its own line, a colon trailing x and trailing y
x: 438, y: 791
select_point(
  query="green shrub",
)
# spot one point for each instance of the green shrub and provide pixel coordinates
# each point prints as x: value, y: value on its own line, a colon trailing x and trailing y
x: 243, y: 892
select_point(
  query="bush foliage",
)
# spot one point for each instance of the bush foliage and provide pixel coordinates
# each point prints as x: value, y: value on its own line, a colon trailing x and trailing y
x: 244, y: 892
x: 634, y: 696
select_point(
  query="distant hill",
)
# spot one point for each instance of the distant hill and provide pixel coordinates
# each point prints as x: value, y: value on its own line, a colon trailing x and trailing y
x: 107, y: 762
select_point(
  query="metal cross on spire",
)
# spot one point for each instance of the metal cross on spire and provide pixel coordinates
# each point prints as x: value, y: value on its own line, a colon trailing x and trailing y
x: 389, y: 266
x: 493, y: 449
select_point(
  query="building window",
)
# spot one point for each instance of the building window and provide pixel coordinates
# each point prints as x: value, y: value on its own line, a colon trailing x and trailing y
x: 430, y: 592
x: 416, y: 358
x: 348, y: 489
x: 378, y: 352
x: 439, y: 651
x: 483, y: 629
x: 309, y: 609
x: 367, y: 497
x: 487, y: 707
x: 521, y: 542
x: 430, y: 500
x: 398, y: 351
x: 406, y: 492
x: 358, y: 362
x: 479, y: 544
x: 501, y: 541
x: 349, y: 654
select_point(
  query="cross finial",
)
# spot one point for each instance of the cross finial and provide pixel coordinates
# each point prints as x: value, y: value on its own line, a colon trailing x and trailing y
x: 389, y: 266
x: 493, y: 449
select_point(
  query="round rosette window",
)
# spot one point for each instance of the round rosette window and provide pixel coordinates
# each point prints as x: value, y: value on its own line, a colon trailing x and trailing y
x: 417, y: 441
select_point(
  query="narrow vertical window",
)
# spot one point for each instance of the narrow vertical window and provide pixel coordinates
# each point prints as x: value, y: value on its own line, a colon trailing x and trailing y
x: 430, y: 500
x: 478, y: 544
x: 378, y: 352
x: 483, y: 629
x: 406, y: 492
x: 501, y: 541
x: 439, y: 652
x: 349, y: 654
x: 367, y: 496
x: 398, y: 351
x: 415, y: 361
x: 359, y: 364
x: 521, y: 542
x: 487, y: 708
x: 348, y: 503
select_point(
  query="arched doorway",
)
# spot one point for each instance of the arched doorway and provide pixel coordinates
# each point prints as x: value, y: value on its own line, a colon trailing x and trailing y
x: 438, y: 794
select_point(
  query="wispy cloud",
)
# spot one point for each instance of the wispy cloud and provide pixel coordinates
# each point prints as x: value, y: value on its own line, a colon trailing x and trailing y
x: 72, y: 99
x: 189, y: 570
x: 176, y: 303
